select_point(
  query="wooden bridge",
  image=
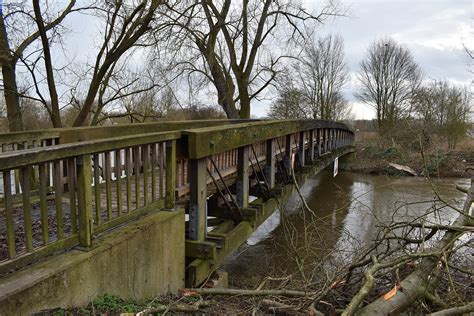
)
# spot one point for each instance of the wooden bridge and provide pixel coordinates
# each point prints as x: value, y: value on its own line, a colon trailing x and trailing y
x: 64, y: 188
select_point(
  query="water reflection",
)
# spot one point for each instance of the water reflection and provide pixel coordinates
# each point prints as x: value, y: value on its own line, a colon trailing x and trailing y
x: 349, y: 210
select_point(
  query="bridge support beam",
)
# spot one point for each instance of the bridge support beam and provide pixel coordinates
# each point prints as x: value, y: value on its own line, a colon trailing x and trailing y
x: 197, y: 199
x: 318, y: 138
x: 287, y: 160
x: 311, y: 146
x: 270, y: 163
x: 242, y: 183
x: 301, y: 148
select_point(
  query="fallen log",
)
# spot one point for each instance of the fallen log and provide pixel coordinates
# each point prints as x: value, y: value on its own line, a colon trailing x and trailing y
x: 288, y: 293
x: 419, y: 282
x: 403, y: 168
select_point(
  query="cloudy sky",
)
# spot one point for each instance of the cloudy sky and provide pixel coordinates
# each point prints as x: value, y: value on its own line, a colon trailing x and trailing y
x: 433, y: 30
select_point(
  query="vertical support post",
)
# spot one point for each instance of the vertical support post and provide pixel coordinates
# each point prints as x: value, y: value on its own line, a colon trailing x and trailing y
x: 288, y: 152
x: 318, y: 137
x: 242, y: 183
x: 301, y: 153
x: 325, y: 143
x: 311, y: 146
x: 197, y: 199
x: 84, y: 199
x: 270, y: 163
x: 170, y: 174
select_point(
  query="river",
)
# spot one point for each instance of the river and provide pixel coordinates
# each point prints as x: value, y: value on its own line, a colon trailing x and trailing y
x: 349, y: 210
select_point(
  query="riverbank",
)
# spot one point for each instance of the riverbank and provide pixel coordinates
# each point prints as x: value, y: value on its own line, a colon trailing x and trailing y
x: 372, y: 156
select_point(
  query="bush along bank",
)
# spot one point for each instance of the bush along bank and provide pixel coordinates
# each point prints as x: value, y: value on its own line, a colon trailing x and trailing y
x: 376, y: 158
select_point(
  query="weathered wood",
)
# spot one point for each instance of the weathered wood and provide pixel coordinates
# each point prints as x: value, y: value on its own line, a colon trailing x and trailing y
x: 136, y: 174
x: 146, y: 154
x: 10, y: 160
x: 108, y: 184
x: 197, y: 199
x: 205, y: 142
x: 43, y: 203
x: 200, y: 249
x: 301, y: 148
x: 242, y: 181
x: 58, y: 196
x: 8, y: 200
x: 71, y: 184
x: 27, y: 220
x: 170, y: 195
x: 128, y: 178
x: 287, y: 159
x: 84, y: 199
x: 270, y: 161
x: 97, y: 172
x: 118, y: 177
x: 154, y: 165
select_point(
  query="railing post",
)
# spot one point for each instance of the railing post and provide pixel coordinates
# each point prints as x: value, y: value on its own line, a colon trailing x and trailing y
x: 318, y: 138
x: 170, y: 189
x: 84, y: 199
x: 311, y: 146
x: 242, y: 183
x: 288, y: 153
x: 270, y: 163
x: 325, y: 142
x: 301, y: 153
x: 197, y: 199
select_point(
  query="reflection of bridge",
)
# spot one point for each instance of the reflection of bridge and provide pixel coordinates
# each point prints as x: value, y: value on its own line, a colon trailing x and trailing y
x: 87, y: 211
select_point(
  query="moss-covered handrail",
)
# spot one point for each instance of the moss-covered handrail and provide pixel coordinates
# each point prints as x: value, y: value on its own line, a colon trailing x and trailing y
x: 21, y: 158
x: 203, y: 142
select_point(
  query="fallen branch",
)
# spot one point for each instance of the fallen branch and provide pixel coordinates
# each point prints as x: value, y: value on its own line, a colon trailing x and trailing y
x: 416, y: 284
x: 288, y: 293
x: 455, y: 310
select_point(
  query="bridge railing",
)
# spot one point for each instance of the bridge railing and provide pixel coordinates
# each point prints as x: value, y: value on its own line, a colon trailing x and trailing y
x: 249, y: 144
x: 68, y: 193
x: 78, y: 184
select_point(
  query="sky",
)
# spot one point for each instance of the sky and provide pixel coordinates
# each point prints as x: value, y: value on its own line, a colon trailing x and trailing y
x: 433, y: 30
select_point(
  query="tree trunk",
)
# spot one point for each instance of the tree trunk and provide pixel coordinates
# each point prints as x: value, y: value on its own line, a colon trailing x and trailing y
x: 244, y: 98
x: 10, y: 89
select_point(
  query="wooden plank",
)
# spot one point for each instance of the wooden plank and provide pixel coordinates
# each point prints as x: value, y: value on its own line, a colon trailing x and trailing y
x: 84, y: 199
x: 118, y: 177
x: 170, y: 171
x: 136, y: 173
x: 146, y: 154
x: 200, y: 249
x: 71, y: 184
x: 128, y: 178
x: 270, y: 161
x: 197, y: 199
x: 43, y: 184
x: 7, y: 188
x: 161, y: 176
x: 108, y: 184
x: 10, y: 160
x: 154, y: 165
x: 58, y: 195
x: 242, y: 182
x: 204, y: 142
x: 98, y: 210
x: 25, y: 185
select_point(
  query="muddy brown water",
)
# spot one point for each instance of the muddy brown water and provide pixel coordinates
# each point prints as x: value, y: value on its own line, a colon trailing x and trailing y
x: 349, y: 209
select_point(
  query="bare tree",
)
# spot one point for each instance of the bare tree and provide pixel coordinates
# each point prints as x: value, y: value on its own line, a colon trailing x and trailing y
x: 388, y: 78
x: 10, y: 54
x: 443, y: 109
x: 242, y: 45
x: 322, y: 76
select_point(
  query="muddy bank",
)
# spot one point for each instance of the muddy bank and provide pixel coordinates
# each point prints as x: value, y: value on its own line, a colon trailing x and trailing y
x: 371, y: 157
